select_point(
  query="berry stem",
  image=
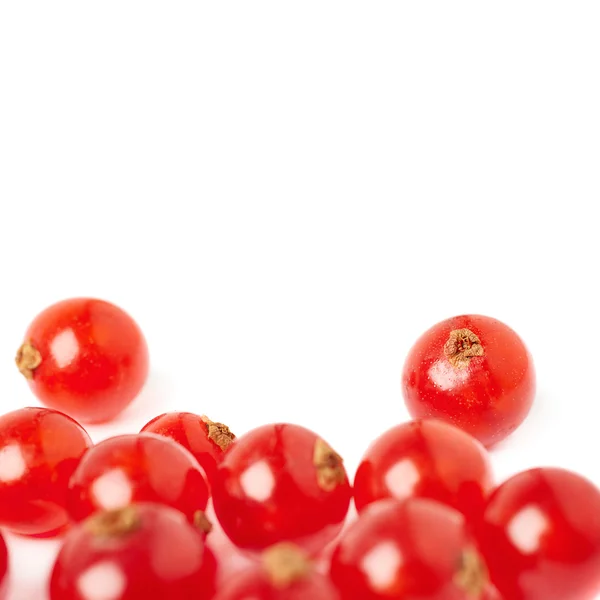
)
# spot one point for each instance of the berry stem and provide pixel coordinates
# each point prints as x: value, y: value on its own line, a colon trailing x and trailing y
x: 329, y: 466
x: 285, y: 564
x: 28, y: 359
x: 461, y: 347
x: 220, y: 434
x: 472, y: 575
x: 114, y: 523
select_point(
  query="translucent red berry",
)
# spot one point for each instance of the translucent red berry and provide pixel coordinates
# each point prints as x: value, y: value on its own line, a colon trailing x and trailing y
x: 283, y: 573
x: 141, y: 552
x: 426, y: 459
x: 137, y: 468
x: 205, y: 439
x: 541, y: 536
x: 39, y: 451
x: 281, y: 483
x: 418, y: 549
x: 84, y: 357
x: 474, y: 372
x: 4, y: 565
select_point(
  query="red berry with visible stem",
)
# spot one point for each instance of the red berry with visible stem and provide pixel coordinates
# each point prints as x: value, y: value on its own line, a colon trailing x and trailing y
x: 426, y: 459
x: 39, y: 451
x: 145, y: 467
x: 205, y: 439
x: 4, y: 569
x: 280, y: 483
x: 541, y: 536
x: 283, y: 573
x: 417, y: 549
x: 85, y: 357
x: 139, y: 552
x: 474, y: 372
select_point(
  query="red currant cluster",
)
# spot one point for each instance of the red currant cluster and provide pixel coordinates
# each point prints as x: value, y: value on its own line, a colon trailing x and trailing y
x: 431, y: 523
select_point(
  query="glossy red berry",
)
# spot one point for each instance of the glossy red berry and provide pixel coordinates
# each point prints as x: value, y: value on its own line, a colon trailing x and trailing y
x: 84, y: 357
x: 141, y: 552
x: 281, y: 483
x: 137, y: 468
x: 425, y: 459
x: 3, y: 569
x: 418, y: 549
x: 474, y: 372
x: 541, y: 536
x: 284, y: 573
x: 39, y: 451
x: 205, y: 439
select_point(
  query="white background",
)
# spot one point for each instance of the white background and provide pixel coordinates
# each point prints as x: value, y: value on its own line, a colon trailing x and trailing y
x: 285, y: 195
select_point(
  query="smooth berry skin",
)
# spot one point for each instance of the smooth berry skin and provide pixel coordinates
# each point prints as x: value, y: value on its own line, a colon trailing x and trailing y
x: 4, y: 564
x: 94, y: 359
x: 39, y: 451
x: 410, y: 550
x: 426, y: 459
x: 162, y: 557
x: 268, y: 490
x: 541, y: 536
x: 137, y: 468
x: 488, y: 394
x: 190, y: 431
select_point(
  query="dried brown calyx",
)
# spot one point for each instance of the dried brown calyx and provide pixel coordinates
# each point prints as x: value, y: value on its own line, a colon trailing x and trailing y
x: 472, y: 575
x: 329, y: 465
x: 220, y: 434
x: 28, y: 359
x: 202, y: 522
x: 114, y: 523
x: 285, y: 564
x: 461, y: 347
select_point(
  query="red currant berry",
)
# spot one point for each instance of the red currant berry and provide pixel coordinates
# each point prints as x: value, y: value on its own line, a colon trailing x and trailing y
x: 418, y: 549
x: 85, y: 357
x: 425, y: 459
x: 474, y: 372
x: 285, y: 573
x: 281, y: 483
x: 140, y: 552
x: 39, y: 451
x: 137, y: 468
x: 205, y: 439
x: 541, y: 536
x: 3, y: 569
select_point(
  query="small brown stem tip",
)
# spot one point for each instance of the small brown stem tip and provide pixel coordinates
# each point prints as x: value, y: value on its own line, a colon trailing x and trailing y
x: 461, y: 347
x: 220, y: 434
x: 28, y: 359
x: 114, y: 523
x: 472, y: 575
x: 202, y: 522
x: 329, y: 466
x: 285, y: 564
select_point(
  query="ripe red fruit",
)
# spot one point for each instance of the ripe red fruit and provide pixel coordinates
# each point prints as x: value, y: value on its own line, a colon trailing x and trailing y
x: 474, y: 372
x: 281, y: 483
x: 136, y: 553
x: 84, y: 357
x: 284, y: 573
x: 137, y: 468
x: 39, y: 451
x: 205, y: 439
x: 425, y: 459
x: 3, y: 569
x: 541, y: 536
x: 408, y: 550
